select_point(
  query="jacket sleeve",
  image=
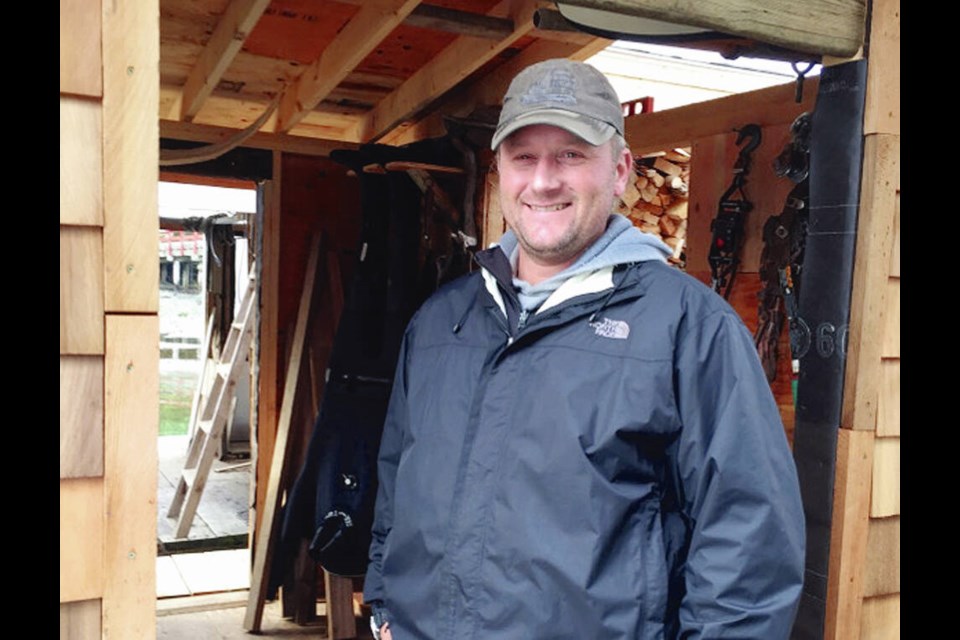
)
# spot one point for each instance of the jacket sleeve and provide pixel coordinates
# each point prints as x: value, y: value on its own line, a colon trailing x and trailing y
x: 744, y: 569
x: 391, y: 446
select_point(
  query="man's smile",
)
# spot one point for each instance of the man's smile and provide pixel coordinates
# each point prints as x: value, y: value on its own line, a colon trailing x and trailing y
x: 548, y: 207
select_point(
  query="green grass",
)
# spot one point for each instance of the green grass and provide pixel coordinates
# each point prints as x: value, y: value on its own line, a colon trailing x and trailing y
x: 174, y: 419
x: 176, y: 397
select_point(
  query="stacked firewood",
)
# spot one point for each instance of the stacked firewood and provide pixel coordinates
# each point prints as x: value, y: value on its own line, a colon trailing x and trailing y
x: 656, y: 200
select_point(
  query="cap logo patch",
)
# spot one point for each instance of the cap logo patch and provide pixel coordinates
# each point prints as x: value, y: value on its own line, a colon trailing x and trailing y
x: 557, y: 87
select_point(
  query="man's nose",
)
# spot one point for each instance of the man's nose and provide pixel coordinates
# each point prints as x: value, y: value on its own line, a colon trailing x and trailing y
x: 546, y: 175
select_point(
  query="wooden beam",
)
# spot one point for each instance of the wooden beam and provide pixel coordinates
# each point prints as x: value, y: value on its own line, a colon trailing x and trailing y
x: 427, y: 16
x: 81, y: 162
x: 869, y: 304
x: 80, y: 620
x: 882, y: 106
x: 131, y: 63
x: 236, y: 23
x: 650, y: 132
x: 883, y: 557
x: 489, y: 90
x: 832, y: 27
x: 81, y: 290
x: 265, y: 541
x: 885, y: 498
x: 268, y: 340
x: 881, y: 618
x: 848, y: 539
x: 80, y: 48
x: 361, y: 35
x: 274, y: 141
x: 81, y: 416
x: 457, y: 61
x: 81, y: 539
x: 131, y: 382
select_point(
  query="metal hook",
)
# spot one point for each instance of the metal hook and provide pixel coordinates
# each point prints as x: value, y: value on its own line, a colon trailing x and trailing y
x: 801, y: 75
x: 751, y: 131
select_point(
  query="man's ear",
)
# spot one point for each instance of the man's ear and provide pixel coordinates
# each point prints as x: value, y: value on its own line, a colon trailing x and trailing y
x: 624, y: 171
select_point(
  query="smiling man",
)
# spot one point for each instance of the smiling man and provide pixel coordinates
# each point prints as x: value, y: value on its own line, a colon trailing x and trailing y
x: 581, y: 442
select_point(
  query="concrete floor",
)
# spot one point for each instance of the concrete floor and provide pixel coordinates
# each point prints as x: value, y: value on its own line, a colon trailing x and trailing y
x: 224, y: 621
x: 222, y: 518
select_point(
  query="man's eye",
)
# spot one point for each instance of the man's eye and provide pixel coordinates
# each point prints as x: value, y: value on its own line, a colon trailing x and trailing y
x: 571, y: 155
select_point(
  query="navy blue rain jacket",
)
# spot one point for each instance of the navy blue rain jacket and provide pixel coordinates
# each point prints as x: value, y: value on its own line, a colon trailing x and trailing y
x: 614, y: 468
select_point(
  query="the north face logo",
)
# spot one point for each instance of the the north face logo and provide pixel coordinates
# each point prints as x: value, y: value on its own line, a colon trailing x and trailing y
x: 607, y: 328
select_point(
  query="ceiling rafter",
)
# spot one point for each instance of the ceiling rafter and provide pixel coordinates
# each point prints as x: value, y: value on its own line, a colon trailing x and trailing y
x: 227, y: 40
x: 489, y: 90
x: 458, y: 60
x: 361, y: 35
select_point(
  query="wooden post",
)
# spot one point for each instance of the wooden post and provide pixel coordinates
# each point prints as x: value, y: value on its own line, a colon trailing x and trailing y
x: 268, y: 335
x: 265, y: 543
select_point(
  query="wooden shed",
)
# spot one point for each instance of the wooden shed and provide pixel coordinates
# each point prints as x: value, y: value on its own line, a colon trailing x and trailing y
x: 286, y: 82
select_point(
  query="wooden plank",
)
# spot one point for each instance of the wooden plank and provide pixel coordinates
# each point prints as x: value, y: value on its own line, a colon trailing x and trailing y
x: 273, y: 141
x: 268, y: 346
x: 131, y: 384
x: 848, y: 539
x: 81, y: 163
x: 888, y: 410
x: 264, y: 543
x: 80, y: 48
x: 131, y: 89
x: 339, y: 594
x: 883, y: 557
x: 81, y: 290
x: 895, y: 251
x: 493, y: 224
x: 881, y: 618
x: 885, y: 499
x: 457, y: 61
x: 882, y: 106
x: 868, y: 301
x: 81, y: 416
x: 81, y: 539
x: 834, y: 27
x: 890, y: 347
x: 371, y: 24
x: 227, y: 39
x: 650, y: 132
x: 80, y: 620
x: 488, y: 90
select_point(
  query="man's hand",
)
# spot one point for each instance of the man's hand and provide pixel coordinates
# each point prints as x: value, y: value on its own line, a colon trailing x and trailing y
x: 385, y: 632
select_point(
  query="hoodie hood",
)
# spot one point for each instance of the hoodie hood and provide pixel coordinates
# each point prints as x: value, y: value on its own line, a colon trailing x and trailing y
x: 621, y: 243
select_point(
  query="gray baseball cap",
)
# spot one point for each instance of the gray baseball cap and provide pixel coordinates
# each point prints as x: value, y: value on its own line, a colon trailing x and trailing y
x: 567, y: 94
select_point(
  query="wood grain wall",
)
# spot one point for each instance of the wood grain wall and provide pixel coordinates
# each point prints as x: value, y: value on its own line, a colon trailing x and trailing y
x: 109, y: 358
x: 867, y: 567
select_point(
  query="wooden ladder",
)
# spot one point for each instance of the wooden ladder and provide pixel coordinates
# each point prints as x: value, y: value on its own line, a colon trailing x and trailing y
x: 213, y: 416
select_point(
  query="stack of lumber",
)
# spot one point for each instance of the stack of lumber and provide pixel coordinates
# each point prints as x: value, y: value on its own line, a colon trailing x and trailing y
x: 656, y: 200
